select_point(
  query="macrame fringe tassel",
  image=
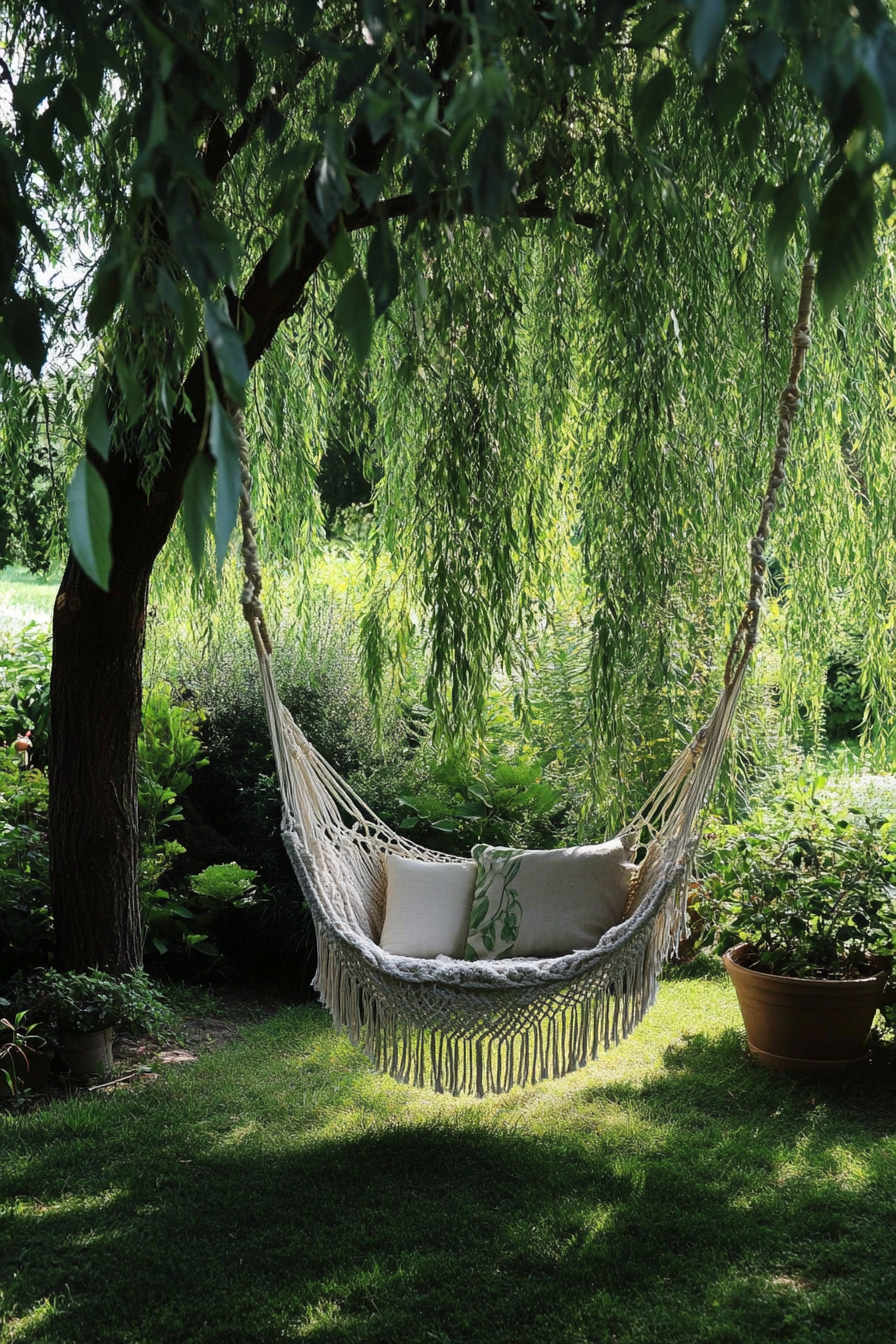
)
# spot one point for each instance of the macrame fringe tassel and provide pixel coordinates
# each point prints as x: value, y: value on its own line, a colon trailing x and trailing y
x: 555, y: 1038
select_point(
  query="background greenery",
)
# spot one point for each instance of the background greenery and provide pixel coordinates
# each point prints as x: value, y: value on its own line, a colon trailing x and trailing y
x: 527, y: 777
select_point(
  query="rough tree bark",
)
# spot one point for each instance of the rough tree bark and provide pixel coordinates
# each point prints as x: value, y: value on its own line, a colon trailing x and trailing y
x: 96, y: 701
x: 96, y: 691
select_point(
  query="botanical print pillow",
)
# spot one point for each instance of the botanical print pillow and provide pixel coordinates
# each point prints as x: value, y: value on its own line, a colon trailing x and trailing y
x: 546, y: 902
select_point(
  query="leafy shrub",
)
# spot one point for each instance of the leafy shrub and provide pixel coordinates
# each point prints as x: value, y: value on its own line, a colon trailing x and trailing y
x: 186, y: 918
x: 223, y: 884
x: 25, y: 687
x: 18, y: 1039
x: 319, y: 682
x: 810, y: 888
x: 168, y: 750
x: 498, y: 801
x: 26, y: 926
x: 844, y: 701
x: 90, y: 1000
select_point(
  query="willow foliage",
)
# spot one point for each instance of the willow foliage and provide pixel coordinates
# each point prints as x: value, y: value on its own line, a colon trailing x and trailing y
x: 544, y: 410
x: 534, y: 265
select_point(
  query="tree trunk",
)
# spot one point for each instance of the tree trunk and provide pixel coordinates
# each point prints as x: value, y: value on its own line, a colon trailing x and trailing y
x: 96, y: 700
x: 96, y: 710
x: 96, y: 681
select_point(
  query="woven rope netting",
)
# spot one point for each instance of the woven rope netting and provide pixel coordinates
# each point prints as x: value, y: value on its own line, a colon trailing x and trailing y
x: 483, y: 1026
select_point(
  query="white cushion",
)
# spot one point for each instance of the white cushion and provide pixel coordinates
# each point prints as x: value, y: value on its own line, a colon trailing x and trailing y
x: 427, y: 907
x: 546, y: 902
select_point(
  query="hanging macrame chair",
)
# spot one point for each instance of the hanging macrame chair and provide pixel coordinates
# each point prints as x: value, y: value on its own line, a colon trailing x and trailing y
x: 484, y: 1026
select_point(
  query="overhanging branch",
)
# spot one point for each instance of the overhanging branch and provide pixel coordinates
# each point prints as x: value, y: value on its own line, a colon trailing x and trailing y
x: 441, y: 206
x: 222, y: 146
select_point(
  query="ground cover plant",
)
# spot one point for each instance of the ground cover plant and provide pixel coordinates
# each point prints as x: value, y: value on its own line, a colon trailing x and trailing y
x: 278, y: 1189
x: 88, y: 1001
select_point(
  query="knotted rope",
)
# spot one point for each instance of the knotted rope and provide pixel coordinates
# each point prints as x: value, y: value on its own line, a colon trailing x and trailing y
x: 250, y: 598
x: 747, y: 633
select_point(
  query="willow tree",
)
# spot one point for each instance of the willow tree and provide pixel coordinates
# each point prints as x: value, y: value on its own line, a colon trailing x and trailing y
x: 186, y: 169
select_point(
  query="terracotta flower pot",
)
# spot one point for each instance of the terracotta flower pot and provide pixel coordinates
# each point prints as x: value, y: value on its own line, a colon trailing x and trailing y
x: 807, y: 1026
x: 88, y: 1053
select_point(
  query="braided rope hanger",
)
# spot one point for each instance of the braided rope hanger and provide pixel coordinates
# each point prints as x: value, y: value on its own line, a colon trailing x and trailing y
x: 250, y: 598
x: 747, y: 632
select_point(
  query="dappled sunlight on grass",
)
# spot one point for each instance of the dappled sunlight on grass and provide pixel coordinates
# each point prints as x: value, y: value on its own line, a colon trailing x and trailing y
x: 279, y: 1189
x: 23, y: 1327
x: 364, y: 1094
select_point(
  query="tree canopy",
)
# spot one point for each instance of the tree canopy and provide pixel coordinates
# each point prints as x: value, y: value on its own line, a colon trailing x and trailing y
x: 528, y: 260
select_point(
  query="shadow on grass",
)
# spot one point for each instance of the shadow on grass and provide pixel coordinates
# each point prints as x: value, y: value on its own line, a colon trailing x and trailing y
x: 714, y: 1203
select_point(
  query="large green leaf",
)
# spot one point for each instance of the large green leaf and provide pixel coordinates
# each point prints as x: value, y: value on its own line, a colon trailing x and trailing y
x: 648, y: 103
x: 304, y: 13
x: 732, y: 92
x: 354, y: 316
x: 331, y: 189
x: 786, y: 213
x: 22, y: 335
x: 490, y: 181
x: 90, y: 523
x: 707, y: 27
x: 228, y: 350
x: 767, y: 55
x: 198, y: 505
x: 340, y: 256
x: 281, y: 253
x: 226, y: 451
x: 382, y: 269
x: 106, y: 293
x: 96, y: 424
x: 656, y: 22
x: 69, y: 109
x: 844, y: 236
x: 356, y: 65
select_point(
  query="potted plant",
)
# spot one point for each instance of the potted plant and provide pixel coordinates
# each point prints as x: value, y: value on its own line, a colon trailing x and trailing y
x: 807, y: 929
x: 85, y: 1006
x: 24, y: 1067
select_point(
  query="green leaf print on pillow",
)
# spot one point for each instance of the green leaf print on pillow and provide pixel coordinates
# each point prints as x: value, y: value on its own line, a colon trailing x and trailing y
x: 546, y: 902
x: 497, y: 911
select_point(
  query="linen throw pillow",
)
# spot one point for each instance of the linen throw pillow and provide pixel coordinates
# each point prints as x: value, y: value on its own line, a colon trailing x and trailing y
x: 546, y: 902
x: 427, y: 907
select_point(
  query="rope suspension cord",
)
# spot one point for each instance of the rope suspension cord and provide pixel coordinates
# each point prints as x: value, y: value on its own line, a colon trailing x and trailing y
x: 250, y: 598
x: 747, y: 633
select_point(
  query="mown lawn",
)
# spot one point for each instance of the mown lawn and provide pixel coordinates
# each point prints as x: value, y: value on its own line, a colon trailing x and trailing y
x: 26, y: 597
x: 277, y: 1189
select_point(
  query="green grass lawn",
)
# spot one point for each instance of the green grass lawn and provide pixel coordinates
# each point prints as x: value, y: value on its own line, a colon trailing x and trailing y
x: 279, y: 1190
x: 26, y: 597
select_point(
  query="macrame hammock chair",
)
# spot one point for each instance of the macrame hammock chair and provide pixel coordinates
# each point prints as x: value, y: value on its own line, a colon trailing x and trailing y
x: 485, y: 1026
